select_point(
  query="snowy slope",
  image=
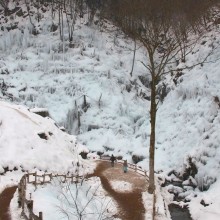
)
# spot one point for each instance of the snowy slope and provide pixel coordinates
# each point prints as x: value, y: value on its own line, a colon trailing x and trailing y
x: 40, y: 73
x: 21, y: 147
x: 188, y: 126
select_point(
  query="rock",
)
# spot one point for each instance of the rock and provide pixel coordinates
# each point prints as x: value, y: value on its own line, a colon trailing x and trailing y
x: 42, y: 135
x: 137, y: 158
x: 119, y: 157
x: 190, y: 170
x: 100, y: 153
x: 40, y: 111
x: 204, y: 203
x: 190, y: 182
x: 91, y: 127
x: 53, y: 28
x: 83, y: 155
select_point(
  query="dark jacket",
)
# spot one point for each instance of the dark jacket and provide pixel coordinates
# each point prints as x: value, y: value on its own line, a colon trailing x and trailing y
x: 112, y: 158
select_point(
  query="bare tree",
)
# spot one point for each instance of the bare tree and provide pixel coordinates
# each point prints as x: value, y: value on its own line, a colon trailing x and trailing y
x: 28, y: 3
x: 61, y: 22
x: 70, y: 8
x: 135, y: 48
x: 165, y: 29
x: 4, y: 5
x: 76, y: 200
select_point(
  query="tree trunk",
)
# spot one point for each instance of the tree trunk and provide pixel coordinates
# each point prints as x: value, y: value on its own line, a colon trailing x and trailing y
x: 133, y: 57
x: 153, y: 111
x: 79, y: 122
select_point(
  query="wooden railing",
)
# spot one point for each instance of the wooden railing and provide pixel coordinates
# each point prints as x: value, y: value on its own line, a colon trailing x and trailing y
x: 138, y: 170
x: 36, y: 179
x: 26, y: 204
x: 133, y: 167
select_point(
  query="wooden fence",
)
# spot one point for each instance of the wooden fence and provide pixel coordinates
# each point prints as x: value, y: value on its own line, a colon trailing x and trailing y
x: 133, y: 167
x: 24, y: 203
x: 36, y: 179
x: 138, y: 170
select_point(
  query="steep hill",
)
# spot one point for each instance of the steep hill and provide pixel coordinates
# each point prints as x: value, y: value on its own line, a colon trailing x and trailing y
x: 28, y: 141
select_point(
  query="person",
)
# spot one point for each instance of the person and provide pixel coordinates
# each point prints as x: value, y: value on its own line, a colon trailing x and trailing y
x: 125, y: 166
x: 113, y: 159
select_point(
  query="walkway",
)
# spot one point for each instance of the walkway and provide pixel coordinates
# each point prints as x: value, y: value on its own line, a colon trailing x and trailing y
x: 129, y: 203
x: 5, y: 199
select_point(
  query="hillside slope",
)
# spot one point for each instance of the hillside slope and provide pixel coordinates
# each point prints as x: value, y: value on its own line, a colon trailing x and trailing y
x: 29, y: 141
x: 52, y: 74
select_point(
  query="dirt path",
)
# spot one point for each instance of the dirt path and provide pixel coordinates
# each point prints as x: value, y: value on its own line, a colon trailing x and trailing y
x: 129, y: 203
x: 5, y: 199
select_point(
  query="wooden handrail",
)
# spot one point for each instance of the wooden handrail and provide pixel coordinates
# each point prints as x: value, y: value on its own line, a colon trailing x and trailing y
x: 130, y: 165
x: 25, y: 179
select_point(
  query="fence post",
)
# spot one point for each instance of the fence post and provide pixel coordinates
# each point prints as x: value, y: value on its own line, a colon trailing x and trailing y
x: 43, y: 178
x: 25, y: 182
x: 19, y: 195
x: 72, y: 178
x: 23, y: 196
x: 30, y: 206
x: 40, y: 215
x: 77, y: 177
x: 28, y: 179
x: 35, y: 181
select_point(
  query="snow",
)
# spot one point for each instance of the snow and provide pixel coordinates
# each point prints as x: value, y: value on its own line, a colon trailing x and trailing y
x: 148, y: 204
x: 56, y: 199
x: 93, y: 156
x: 22, y: 146
x: 211, y: 198
x: 42, y: 75
x: 34, y: 110
x: 121, y: 186
x: 191, y: 182
x: 10, y: 179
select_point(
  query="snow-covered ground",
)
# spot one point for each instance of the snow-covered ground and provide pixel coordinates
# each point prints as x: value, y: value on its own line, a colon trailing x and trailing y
x: 121, y: 186
x: 29, y: 141
x: 69, y: 201
x: 40, y: 71
x: 41, y: 74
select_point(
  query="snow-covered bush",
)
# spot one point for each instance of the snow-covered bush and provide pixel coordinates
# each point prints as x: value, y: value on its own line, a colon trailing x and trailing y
x: 82, y: 200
